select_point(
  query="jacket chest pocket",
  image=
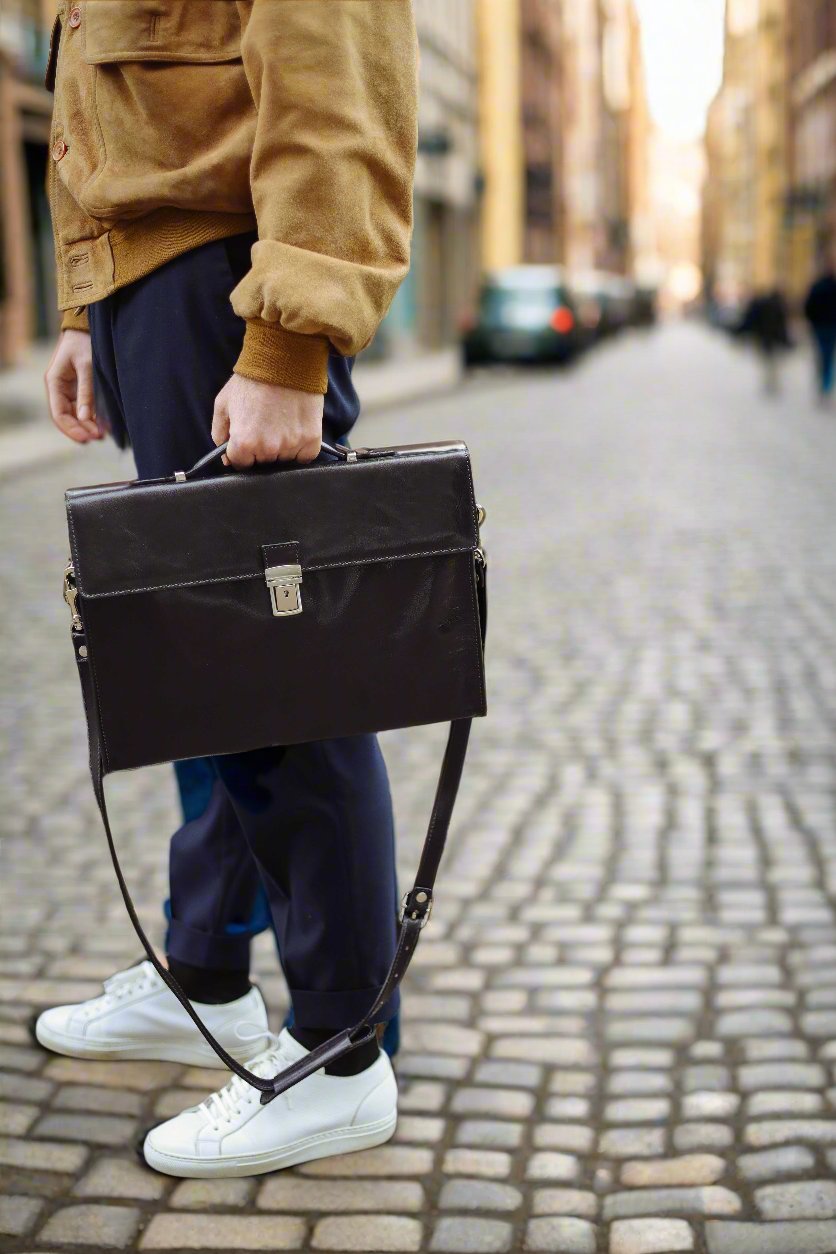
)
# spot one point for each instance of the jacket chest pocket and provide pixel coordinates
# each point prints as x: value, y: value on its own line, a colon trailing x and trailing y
x: 160, y: 30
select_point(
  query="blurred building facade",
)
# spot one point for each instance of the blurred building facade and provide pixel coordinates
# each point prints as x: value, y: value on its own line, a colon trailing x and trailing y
x: 643, y: 253
x: 769, y: 205
x: 615, y: 124
x: 521, y: 111
x: 626, y: 139
x: 541, y: 83
x: 584, y: 139
x: 27, y: 282
x: 565, y: 134
x: 445, y: 246
x: 811, y: 98
x: 729, y: 197
x: 500, y: 133
x: 771, y: 169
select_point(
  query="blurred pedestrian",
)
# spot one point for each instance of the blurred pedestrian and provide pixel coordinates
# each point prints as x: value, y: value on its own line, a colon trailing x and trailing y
x: 820, y: 312
x: 766, y: 322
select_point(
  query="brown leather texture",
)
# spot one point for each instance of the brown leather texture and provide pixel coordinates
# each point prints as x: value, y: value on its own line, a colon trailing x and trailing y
x: 186, y: 656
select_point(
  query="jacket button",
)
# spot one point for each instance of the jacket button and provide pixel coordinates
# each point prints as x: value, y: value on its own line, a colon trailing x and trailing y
x: 59, y: 150
x: 75, y: 17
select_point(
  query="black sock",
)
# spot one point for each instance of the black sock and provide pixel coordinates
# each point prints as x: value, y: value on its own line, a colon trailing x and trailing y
x: 352, y: 1064
x: 207, y: 985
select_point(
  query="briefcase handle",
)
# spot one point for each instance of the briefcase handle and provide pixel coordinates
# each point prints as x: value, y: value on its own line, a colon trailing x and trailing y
x: 212, y: 459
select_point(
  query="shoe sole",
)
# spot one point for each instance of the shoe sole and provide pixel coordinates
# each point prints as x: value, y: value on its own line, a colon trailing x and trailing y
x: 323, y: 1145
x: 188, y: 1055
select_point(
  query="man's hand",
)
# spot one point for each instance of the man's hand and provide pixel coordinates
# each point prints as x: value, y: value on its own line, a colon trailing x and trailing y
x: 266, y: 423
x: 69, y: 387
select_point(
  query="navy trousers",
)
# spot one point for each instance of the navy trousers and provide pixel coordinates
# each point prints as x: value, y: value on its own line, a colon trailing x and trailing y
x: 312, y: 824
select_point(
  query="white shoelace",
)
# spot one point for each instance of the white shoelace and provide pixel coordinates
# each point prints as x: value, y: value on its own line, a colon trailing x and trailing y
x: 126, y: 984
x: 225, y: 1105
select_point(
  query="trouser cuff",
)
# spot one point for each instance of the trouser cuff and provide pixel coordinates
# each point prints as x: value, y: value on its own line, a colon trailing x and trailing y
x: 208, y: 949
x: 338, y: 1010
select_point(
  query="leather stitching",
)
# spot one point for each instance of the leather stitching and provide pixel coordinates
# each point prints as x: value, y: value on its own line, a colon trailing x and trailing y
x: 197, y: 583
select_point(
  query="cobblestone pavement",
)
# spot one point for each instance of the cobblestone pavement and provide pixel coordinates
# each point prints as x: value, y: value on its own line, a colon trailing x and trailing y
x: 620, y: 1032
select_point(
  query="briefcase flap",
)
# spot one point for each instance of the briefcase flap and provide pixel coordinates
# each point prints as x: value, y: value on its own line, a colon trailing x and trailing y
x: 416, y: 502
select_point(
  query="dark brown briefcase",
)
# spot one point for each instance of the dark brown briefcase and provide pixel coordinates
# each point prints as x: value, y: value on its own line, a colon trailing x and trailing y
x: 217, y: 611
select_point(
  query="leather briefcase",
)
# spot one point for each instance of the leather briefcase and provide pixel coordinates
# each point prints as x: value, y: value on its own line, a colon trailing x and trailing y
x: 216, y: 611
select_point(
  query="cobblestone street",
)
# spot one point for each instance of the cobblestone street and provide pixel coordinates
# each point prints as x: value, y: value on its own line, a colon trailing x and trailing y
x: 620, y: 1027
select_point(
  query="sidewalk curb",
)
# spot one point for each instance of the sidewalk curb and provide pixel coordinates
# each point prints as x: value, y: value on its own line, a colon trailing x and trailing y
x: 386, y: 383
x: 30, y: 447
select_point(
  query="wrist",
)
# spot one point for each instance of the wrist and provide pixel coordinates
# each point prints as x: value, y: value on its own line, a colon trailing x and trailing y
x: 271, y: 354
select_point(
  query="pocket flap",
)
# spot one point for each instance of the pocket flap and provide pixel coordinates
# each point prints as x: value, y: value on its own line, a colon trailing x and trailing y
x: 144, y: 537
x: 160, y: 30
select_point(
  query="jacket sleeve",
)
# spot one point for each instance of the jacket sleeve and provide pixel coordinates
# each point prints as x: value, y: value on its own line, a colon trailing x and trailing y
x: 335, y: 89
x: 75, y: 320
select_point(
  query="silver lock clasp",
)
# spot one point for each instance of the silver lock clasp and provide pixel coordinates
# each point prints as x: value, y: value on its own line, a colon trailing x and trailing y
x: 284, y: 583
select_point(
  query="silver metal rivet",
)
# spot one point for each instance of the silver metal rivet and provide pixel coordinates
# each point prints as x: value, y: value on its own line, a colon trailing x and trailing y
x: 82, y: 650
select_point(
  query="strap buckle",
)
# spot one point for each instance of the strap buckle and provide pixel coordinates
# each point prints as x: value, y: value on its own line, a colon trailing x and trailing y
x: 418, y: 906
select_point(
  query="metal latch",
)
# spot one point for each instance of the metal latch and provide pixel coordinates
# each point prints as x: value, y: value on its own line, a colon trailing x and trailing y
x: 479, y: 553
x: 71, y: 595
x: 285, y: 591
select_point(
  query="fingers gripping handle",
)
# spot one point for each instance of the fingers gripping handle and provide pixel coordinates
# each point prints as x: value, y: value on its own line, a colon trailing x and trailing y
x: 213, y: 460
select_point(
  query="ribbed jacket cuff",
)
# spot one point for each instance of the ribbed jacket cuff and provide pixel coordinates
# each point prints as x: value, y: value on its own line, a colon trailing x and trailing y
x: 273, y: 355
x: 75, y: 320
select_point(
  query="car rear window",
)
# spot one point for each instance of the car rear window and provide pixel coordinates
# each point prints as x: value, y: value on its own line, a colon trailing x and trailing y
x: 496, y: 302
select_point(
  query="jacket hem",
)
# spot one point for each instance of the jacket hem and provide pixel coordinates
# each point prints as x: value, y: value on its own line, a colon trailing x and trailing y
x: 131, y: 250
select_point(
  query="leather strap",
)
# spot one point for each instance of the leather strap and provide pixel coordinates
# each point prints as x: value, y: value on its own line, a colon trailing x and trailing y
x: 417, y: 903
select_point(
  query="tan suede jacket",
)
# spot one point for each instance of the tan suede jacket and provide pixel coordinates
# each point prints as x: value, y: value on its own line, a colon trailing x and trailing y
x: 181, y: 121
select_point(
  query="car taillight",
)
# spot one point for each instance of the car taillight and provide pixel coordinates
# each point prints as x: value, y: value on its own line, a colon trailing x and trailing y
x: 562, y: 320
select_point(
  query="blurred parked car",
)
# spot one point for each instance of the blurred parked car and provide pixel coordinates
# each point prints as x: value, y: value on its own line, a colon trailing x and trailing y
x: 589, y: 305
x: 605, y: 303
x: 525, y: 314
x: 620, y: 303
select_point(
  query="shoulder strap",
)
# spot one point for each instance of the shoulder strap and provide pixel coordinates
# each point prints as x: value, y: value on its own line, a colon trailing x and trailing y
x: 417, y: 903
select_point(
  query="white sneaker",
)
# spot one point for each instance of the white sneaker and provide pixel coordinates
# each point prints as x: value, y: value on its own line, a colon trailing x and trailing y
x: 138, y: 1017
x: 232, y: 1134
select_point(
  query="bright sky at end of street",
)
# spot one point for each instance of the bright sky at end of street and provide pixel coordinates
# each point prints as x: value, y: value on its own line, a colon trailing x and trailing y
x: 682, y: 42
